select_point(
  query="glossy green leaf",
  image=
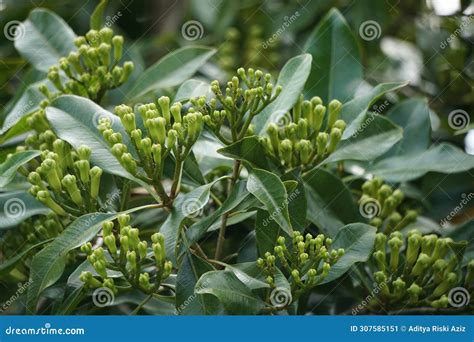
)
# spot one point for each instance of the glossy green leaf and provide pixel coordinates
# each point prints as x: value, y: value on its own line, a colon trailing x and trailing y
x: 45, y: 39
x: 443, y: 158
x: 357, y: 239
x: 171, y: 70
x: 249, y: 149
x: 17, y: 207
x: 187, y: 301
x: 292, y: 78
x: 98, y: 15
x: 413, y: 116
x: 189, y: 204
x: 336, y: 71
x: 192, y: 88
x: 10, y: 263
x: 269, y: 189
x: 354, y: 112
x: 48, y: 265
x: 369, y: 142
x: 10, y: 166
x: 330, y: 202
x: 234, y: 295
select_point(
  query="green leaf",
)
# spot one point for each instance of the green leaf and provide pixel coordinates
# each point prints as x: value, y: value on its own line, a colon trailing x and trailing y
x: 238, y: 195
x: 292, y: 79
x: 192, y: 88
x: 267, y: 232
x: 45, y: 39
x: 354, y: 112
x: 98, y: 14
x: 9, y: 264
x: 369, y: 142
x: 253, y: 277
x: 336, y: 72
x: 26, y: 104
x: 330, y: 202
x: 48, y: 265
x: 231, y: 292
x: 357, y: 239
x: 187, y: 301
x: 188, y: 204
x: 18, y: 206
x: 249, y: 149
x: 269, y: 189
x: 171, y: 70
x: 10, y: 166
x: 443, y: 158
x: 413, y: 115
x: 75, y: 119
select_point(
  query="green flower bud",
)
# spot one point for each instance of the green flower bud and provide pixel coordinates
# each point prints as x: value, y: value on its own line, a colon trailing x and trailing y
x: 95, y: 173
x: 117, y: 43
x: 144, y: 281
x: 172, y: 139
x: 86, y: 248
x: 158, y: 252
x: 128, y: 68
x: 414, y: 292
x: 395, y: 245
x: 321, y: 142
x: 334, y: 109
x: 110, y: 243
x: 89, y: 280
x: 35, y: 179
x: 164, y: 103
x: 421, y: 264
x: 132, y: 260
x: 441, y: 302
x: 281, y: 241
x: 450, y: 281
x: 380, y: 241
x: 398, y: 195
x: 142, y: 249
x: 428, y: 243
x: 124, y: 244
x: 69, y: 182
x: 302, y: 129
x: 156, y: 152
x: 414, y: 243
x: 129, y: 163
x: 157, y: 129
x: 379, y: 257
x: 286, y: 151
x: 340, y: 124
x: 158, y: 238
x: 335, y: 137
x: 441, y: 249
x: 106, y: 35
x: 50, y: 169
x: 168, y: 267
x: 305, y: 151
x: 272, y: 131
x: 84, y: 167
x: 469, y: 279
x: 104, y: 53
x: 176, y: 111
x: 124, y: 220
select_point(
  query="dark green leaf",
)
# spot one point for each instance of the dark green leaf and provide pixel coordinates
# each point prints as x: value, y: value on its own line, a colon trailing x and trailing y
x: 9, y: 264
x: 330, y: 202
x: 98, y: 15
x: 10, y: 166
x: 171, y: 70
x: 269, y: 189
x: 17, y: 207
x: 336, y: 71
x: 249, y: 149
x: 45, y: 39
x: 357, y: 239
x: 292, y: 79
